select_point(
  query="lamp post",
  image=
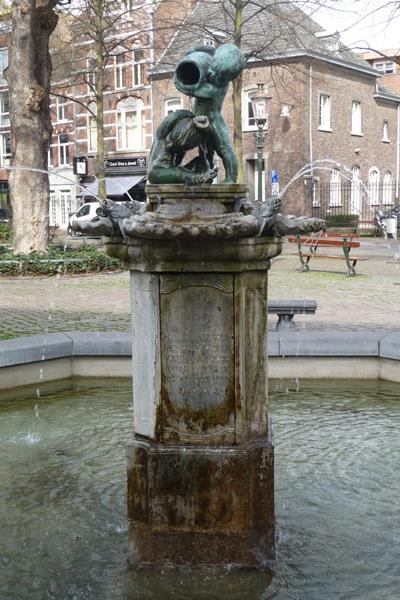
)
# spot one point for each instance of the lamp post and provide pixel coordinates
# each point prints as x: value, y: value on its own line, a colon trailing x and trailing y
x: 259, y: 103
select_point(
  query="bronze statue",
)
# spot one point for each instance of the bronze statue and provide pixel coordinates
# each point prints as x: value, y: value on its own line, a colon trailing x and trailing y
x: 204, y: 74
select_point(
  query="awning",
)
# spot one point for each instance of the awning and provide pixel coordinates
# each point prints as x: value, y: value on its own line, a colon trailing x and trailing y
x: 115, y: 186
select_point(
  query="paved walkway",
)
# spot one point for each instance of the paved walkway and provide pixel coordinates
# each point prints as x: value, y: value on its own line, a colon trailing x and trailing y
x: 100, y: 302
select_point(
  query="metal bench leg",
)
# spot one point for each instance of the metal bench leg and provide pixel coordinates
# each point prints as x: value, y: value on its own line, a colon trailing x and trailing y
x: 285, y: 323
x: 304, y: 263
x: 351, y: 269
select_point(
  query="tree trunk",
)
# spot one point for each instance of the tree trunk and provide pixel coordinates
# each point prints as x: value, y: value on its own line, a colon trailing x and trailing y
x: 237, y: 94
x: 28, y: 77
x: 237, y: 124
x: 100, y: 65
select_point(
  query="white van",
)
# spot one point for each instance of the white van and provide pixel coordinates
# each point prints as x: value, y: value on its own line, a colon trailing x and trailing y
x: 85, y: 213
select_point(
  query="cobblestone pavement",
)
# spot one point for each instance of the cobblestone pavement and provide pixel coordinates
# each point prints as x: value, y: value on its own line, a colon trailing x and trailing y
x: 100, y: 302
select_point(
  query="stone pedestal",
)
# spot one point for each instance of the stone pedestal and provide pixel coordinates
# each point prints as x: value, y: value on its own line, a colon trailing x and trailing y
x: 200, y: 462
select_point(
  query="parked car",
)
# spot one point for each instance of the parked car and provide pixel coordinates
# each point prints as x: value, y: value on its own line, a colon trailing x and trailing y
x: 85, y: 213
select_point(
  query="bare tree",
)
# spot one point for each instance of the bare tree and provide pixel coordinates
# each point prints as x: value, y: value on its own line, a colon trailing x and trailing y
x: 28, y: 76
x: 101, y: 32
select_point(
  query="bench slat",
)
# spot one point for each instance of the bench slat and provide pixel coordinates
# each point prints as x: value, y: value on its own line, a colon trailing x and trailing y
x: 311, y: 254
x: 329, y: 243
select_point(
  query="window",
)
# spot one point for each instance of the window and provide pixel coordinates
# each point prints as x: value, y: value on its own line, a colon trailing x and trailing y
x: 53, y: 208
x: 5, y: 149
x: 129, y: 124
x: 92, y: 127
x: 385, y: 132
x: 3, y: 65
x: 49, y: 157
x: 324, y: 113
x: 172, y: 105
x: 208, y: 41
x: 91, y: 73
x: 355, y: 191
x: 373, y: 186
x: 387, y: 188
x: 248, y: 119
x: 61, y: 106
x: 335, y: 196
x: 356, y: 118
x: 83, y: 211
x: 4, y: 109
x: 63, y: 149
x: 65, y: 205
x: 127, y: 6
x: 386, y: 66
x: 120, y: 73
x: 138, y: 56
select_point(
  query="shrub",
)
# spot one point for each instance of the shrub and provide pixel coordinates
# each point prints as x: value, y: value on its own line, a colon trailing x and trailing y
x: 342, y: 221
x: 4, y: 231
x: 86, y: 259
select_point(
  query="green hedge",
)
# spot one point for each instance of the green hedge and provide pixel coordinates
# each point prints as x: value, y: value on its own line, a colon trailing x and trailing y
x: 85, y: 259
x: 345, y: 220
x: 4, y: 232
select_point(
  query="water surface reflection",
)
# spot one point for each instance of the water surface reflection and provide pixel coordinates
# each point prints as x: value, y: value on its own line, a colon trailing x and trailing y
x: 62, y: 498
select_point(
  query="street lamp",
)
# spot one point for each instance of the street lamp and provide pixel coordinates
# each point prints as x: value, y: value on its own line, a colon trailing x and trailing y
x: 259, y: 104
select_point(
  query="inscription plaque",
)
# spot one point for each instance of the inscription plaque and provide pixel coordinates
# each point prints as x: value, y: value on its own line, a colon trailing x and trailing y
x: 197, y: 356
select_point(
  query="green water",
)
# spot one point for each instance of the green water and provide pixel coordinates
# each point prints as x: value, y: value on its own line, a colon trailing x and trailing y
x: 63, y: 532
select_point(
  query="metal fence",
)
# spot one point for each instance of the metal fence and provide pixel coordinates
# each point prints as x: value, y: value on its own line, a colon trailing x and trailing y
x: 363, y: 201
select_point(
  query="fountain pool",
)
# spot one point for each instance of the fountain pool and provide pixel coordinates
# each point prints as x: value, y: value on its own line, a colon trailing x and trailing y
x: 63, y: 470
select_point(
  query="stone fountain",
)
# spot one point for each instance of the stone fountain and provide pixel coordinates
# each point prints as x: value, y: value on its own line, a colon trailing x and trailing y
x: 201, y: 458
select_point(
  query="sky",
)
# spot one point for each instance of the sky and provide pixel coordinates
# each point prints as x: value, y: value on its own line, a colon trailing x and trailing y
x: 363, y: 23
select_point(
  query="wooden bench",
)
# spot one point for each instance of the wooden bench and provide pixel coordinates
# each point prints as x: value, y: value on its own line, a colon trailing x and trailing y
x: 313, y: 246
x: 286, y: 309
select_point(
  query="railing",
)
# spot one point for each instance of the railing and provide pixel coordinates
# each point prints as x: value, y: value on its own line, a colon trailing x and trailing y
x: 344, y: 199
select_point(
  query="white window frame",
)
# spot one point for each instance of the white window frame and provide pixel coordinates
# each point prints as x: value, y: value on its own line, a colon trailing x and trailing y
x: 386, y: 66
x: 324, y: 112
x: 5, y: 148
x: 120, y: 71
x: 65, y: 206
x: 248, y: 119
x: 356, y: 118
x: 335, y: 188
x: 385, y: 131
x: 137, y: 67
x: 373, y: 186
x: 130, y: 136
x: 355, y: 191
x: 92, y: 128
x: 3, y: 64
x: 172, y: 105
x: 209, y: 41
x: 53, y: 208
x: 387, y: 188
x: 91, y: 73
x: 4, y: 114
x: 61, y: 104
x: 63, y: 150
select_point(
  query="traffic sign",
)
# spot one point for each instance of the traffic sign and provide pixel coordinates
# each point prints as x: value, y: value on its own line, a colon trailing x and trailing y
x: 274, y: 176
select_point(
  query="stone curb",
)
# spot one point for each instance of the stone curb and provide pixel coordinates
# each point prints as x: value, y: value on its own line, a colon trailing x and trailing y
x: 34, y: 348
x: 302, y: 343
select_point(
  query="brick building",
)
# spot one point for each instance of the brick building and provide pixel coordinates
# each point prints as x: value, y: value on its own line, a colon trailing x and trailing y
x: 127, y: 110
x: 387, y: 63
x: 327, y: 103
